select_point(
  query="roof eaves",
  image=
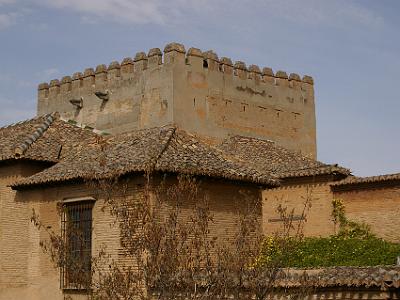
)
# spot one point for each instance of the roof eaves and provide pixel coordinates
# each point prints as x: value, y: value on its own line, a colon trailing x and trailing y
x: 314, y: 171
x: 252, y: 174
x: 353, y: 180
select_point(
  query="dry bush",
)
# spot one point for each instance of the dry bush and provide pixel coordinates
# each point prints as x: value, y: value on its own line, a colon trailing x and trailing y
x: 176, y: 256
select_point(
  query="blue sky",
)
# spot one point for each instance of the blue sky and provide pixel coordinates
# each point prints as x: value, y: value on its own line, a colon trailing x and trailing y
x: 351, y: 48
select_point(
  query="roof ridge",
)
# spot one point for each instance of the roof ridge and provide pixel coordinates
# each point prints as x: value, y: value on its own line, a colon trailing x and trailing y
x: 276, y: 145
x: 332, y: 167
x: 354, y: 180
x: 229, y: 157
x: 324, y: 165
x: 251, y: 138
x: 40, y: 130
x: 170, y: 133
x: 83, y: 126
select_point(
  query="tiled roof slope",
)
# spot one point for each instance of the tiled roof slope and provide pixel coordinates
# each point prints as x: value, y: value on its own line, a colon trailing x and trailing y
x: 188, y: 154
x: 271, y: 158
x: 379, y: 276
x: 82, y: 154
x: 353, y: 180
x: 45, y: 138
x: 15, y: 136
x: 159, y: 149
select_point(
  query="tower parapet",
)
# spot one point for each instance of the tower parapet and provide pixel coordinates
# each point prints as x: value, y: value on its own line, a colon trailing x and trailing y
x: 196, y: 90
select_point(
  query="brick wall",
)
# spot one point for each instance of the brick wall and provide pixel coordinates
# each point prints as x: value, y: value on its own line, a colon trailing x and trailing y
x: 373, y: 204
x: 225, y: 200
x: 29, y: 274
x: 318, y: 218
x: 33, y: 270
x: 377, y: 206
x: 43, y: 279
x: 13, y: 234
x: 14, y: 229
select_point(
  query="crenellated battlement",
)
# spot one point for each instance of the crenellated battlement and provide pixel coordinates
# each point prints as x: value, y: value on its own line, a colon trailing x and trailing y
x: 195, y: 90
x: 194, y: 57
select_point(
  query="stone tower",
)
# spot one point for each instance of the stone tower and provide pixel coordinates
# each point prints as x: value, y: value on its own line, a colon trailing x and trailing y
x: 195, y: 90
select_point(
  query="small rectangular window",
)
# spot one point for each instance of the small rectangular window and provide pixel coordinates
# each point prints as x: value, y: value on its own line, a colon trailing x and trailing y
x: 77, y: 237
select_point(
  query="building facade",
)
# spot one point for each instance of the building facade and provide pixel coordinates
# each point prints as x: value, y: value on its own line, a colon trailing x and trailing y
x: 236, y: 128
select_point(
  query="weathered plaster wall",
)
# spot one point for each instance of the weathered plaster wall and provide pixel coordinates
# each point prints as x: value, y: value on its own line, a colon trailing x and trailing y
x: 140, y: 95
x: 209, y: 96
x: 225, y: 99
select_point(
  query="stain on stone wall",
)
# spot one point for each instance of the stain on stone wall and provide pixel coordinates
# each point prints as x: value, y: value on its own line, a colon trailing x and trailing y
x: 197, y: 91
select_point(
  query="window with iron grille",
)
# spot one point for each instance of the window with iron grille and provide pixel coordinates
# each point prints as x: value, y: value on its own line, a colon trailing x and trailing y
x: 77, y: 237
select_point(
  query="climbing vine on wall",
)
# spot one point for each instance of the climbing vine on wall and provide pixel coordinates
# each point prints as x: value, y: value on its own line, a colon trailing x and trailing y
x: 348, y: 228
x: 353, y: 244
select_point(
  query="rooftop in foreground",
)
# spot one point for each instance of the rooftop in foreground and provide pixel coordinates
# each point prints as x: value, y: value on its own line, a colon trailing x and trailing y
x: 80, y: 153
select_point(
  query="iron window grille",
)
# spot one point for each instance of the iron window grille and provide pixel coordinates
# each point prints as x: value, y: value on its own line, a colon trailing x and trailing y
x: 76, y: 258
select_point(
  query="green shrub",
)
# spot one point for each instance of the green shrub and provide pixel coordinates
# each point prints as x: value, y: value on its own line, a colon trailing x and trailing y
x: 338, y: 251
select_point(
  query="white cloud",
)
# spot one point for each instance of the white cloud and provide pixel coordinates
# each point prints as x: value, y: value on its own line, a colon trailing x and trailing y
x: 124, y: 11
x: 314, y: 12
x: 4, y: 2
x: 7, y: 20
x: 131, y: 11
x: 362, y: 15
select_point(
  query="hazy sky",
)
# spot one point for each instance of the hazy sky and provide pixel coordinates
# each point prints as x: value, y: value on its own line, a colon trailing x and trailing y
x: 351, y: 48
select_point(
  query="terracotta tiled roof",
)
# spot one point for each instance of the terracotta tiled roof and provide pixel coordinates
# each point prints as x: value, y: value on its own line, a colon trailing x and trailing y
x: 163, y: 149
x: 188, y: 154
x: 353, y: 180
x: 46, y: 138
x: 380, y: 276
x: 16, y: 138
x: 271, y: 158
x: 82, y: 154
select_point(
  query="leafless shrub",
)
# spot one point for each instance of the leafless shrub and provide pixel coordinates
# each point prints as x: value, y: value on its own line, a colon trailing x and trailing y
x: 173, y: 254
